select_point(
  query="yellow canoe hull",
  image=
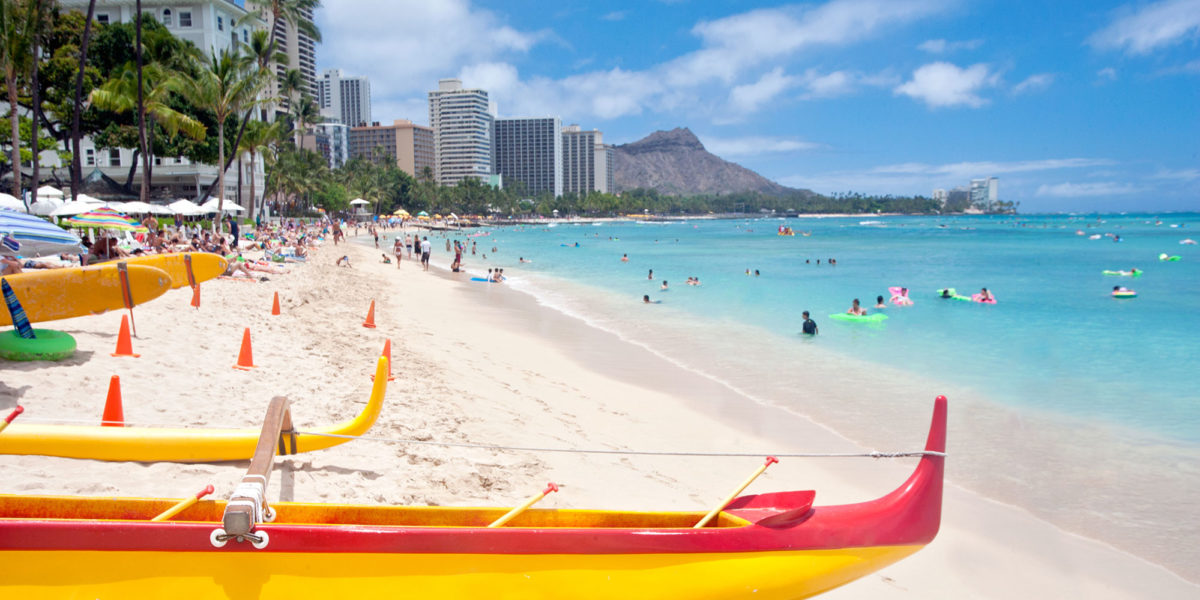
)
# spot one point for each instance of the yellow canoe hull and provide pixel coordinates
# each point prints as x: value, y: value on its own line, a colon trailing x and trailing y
x: 781, y: 575
x: 154, y: 444
x: 205, y: 266
x: 52, y: 294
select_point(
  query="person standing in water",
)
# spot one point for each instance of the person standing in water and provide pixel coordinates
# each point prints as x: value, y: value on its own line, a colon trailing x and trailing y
x: 810, y: 326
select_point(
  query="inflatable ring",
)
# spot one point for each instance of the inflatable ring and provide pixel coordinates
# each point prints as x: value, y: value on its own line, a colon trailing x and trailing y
x: 871, y: 318
x: 48, y: 345
x: 1124, y: 294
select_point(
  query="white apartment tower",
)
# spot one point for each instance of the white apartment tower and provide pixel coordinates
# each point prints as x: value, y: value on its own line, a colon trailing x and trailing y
x: 587, y: 161
x: 462, y: 132
x: 301, y: 51
x: 985, y: 192
x: 346, y: 99
x: 530, y: 151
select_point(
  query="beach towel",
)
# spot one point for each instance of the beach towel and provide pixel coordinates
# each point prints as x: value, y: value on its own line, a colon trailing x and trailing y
x: 20, y: 321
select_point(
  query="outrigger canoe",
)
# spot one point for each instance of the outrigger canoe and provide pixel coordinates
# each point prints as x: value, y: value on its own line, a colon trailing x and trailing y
x: 153, y: 444
x: 774, y: 546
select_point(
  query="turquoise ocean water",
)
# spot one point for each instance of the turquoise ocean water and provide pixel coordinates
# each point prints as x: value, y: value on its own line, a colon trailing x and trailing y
x: 1080, y: 407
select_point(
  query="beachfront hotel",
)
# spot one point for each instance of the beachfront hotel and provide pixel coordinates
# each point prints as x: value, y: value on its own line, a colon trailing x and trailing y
x: 344, y: 99
x: 213, y: 26
x: 530, y: 150
x: 409, y: 145
x: 462, y: 132
x: 587, y: 161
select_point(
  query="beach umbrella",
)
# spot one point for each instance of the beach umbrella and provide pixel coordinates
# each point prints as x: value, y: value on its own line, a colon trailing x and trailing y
x: 32, y: 236
x: 401, y: 212
x: 11, y: 202
x: 44, y: 206
x: 422, y: 214
x: 105, y: 218
x: 454, y: 216
x: 135, y: 207
x: 358, y: 201
x: 88, y: 199
x: 49, y: 191
x: 73, y: 208
x: 159, y: 209
x: 185, y: 207
x: 228, y: 207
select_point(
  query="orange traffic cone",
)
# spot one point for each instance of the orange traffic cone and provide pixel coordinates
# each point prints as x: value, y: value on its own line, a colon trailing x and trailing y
x: 370, y: 322
x: 246, y: 356
x: 275, y: 305
x: 387, y: 353
x: 196, y: 295
x: 124, y: 343
x: 114, y: 416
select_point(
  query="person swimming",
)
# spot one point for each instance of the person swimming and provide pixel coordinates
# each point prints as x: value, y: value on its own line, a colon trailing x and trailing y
x: 946, y: 293
x: 879, y: 302
x: 985, y: 295
x: 855, y: 309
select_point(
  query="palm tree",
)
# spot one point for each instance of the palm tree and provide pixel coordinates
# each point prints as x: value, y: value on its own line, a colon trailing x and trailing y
x: 259, y: 137
x: 141, y: 108
x: 226, y: 87
x: 119, y: 94
x: 76, y: 164
x: 36, y: 30
x: 306, y: 113
x: 14, y: 55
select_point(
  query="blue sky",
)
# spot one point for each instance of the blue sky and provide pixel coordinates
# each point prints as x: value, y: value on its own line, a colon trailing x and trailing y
x: 1073, y: 105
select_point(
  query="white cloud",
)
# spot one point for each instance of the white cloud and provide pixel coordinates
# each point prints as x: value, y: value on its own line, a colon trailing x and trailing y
x: 1034, y: 83
x: 755, y: 146
x: 408, y: 45
x: 968, y: 170
x: 616, y: 15
x: 1150, y: 27
x: 943, y: 84
x: 1107, y: 74
x: 1080, y: 190
x: 732, y: 44
x: 940, y: 46
x: 750, y: 97
x: 1180, y: 175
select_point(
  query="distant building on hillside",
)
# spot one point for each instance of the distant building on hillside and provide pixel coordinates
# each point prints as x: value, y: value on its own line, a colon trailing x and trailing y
x: 939, y: 195
x: 587, y: 161
x: 409, y: 145
x: 985, y: 192
x: 530, y: 151
x: 346, y: 99
x: 462, y: 132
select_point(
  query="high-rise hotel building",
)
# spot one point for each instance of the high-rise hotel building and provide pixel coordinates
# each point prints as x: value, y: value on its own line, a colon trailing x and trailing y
x: 345, y: 99
x: 587, y: 161
x: 408, y: 144
x: 530, y: 151
x: 462, y: 132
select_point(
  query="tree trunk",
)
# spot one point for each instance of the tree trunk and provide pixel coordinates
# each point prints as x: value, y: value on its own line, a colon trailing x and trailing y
x: 137, y: 153
x: 237, y: 142
x: 239, y: 179
x: 141, y: 108
x: 35, y: 113
x: 253, y: 202
x: 76, y: 159
x: 10, y: 81
x: 220, y: 174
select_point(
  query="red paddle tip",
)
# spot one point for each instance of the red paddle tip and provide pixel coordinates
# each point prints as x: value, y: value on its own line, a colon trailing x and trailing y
x: 551, y: 487
x: 208, y: 489
x: 940, y: 398
x: 12, y: 415
x: 771, y: 460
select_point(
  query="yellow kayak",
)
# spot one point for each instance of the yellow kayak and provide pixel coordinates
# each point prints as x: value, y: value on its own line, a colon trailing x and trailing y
x: 204, y: 266
x: 154, y: 444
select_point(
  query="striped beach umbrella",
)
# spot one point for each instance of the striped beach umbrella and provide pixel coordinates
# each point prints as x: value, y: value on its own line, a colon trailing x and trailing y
x: 32, y: 236
x: 105, y: 218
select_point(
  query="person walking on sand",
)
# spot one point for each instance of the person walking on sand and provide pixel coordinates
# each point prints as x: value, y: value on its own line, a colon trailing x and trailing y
x: 398, y: 249
x: 426, y: 247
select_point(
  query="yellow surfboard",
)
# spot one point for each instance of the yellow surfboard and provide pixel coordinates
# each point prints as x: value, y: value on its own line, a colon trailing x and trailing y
x: 51, y: 294
x: 205, y: 266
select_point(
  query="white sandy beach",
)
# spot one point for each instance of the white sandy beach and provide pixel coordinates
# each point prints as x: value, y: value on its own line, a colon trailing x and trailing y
x: 470, y: 368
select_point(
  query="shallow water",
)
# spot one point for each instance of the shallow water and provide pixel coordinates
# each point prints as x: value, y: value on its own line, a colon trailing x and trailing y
x: 1081, y: 408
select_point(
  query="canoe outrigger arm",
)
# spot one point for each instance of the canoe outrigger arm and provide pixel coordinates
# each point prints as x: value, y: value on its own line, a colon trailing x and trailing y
x: 248, y: 505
